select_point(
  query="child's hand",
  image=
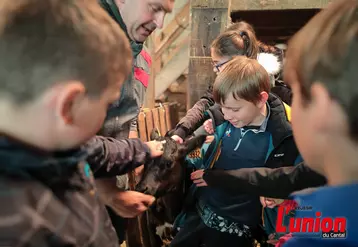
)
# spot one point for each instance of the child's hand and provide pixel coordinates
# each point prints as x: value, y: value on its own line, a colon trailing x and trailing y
x: 209, y: 139
x: 197, y: 178
x: 270, y: 202
x: 178, y: 139
x: 156, y: 148
x: 272, y: 239
x: 208, y: 126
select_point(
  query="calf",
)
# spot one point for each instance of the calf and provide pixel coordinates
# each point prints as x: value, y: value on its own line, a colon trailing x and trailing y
x: 165, y: 174
x: 164, y: 178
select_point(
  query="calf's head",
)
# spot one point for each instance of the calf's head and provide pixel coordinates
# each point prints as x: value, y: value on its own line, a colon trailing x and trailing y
x: 165, y: 174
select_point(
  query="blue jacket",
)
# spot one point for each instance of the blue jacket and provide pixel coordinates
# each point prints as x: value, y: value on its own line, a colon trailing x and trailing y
x: 282, y: 149
x: 332, y: 202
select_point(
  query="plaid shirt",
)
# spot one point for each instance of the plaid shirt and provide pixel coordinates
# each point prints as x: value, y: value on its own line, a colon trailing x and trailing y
x: 49, y: 200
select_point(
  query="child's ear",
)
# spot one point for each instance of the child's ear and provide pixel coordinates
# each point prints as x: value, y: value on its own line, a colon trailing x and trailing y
x: 68, y: 101
x: 263, y: 98
x: 322, y: 105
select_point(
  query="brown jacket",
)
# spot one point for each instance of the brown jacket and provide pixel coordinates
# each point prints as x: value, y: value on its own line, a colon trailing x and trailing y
x: 50, y: 200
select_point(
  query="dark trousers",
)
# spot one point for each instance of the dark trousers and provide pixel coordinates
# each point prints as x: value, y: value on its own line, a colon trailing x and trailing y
x: 196, y: 234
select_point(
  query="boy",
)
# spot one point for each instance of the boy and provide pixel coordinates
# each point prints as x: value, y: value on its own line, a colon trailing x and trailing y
x: 322, y: 70
x: 255, y: 133
x: 59, y: 71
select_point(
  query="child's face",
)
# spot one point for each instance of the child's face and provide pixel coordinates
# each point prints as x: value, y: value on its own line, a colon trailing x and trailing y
x: 318, y: 125
x: 219, y: 63
x: 303, y: 127
x: 240, y: 112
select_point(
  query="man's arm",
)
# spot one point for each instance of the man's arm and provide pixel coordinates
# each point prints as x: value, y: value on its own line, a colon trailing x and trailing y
x: 110, y: 157
x: 275, y: 183
x: 133, y: 131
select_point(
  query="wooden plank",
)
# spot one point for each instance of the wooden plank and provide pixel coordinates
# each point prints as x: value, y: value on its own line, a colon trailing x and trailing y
x: 278, y: 4
x: 170, y: 28
x: 168, y: 113
x: 156, y: 119
x: 175, y: 28
x: 201, y: 75
x: 149, y: 121
x: 174, y: 114
x: 163, y: 125
x: 175, y: 51
x: 142, y: 127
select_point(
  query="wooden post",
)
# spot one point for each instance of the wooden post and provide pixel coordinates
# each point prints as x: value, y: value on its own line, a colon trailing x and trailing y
x: 208, y: 19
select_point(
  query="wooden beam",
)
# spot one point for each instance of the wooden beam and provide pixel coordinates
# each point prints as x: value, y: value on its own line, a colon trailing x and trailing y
x: 239, y: 5
x: 172, y: 31
x: 208, y: 19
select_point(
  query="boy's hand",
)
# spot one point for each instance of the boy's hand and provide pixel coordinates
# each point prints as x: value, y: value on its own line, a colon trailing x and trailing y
x: 156, y: 148
x: 272, y: 239
x: 209, y: 139
x: 208, y: 126
x: 178, y: 139
x: 197, y: 178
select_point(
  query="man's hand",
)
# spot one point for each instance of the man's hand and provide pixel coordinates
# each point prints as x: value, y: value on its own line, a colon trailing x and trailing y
x: 197, y: 178
x: 127, y: 204
x: 178, y: 139
x: 156, y: 148
x: 139, y: 172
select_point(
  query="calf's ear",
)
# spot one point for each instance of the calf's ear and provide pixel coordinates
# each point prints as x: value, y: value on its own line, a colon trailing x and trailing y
x: 191, y: 144
x: 154, y: 135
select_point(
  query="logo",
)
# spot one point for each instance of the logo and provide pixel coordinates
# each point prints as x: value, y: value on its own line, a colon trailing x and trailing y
x: 228, y: 132
x: 279, y: 155
x: 324, y: 227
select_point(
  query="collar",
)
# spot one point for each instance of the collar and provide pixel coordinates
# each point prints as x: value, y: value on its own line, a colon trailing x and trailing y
x: 54, y: 169
x: 15, y: 155
x: 111, y: 7
x: 264, y: 124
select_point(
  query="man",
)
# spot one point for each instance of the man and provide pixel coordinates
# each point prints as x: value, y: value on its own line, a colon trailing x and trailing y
x: 138, y: 19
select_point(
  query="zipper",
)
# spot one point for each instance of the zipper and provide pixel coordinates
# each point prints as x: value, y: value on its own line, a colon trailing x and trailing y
x: 243, y: 133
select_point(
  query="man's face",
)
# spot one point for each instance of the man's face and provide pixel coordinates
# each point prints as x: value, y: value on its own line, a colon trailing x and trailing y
x: 240, y: 112
x: 142, y: 17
